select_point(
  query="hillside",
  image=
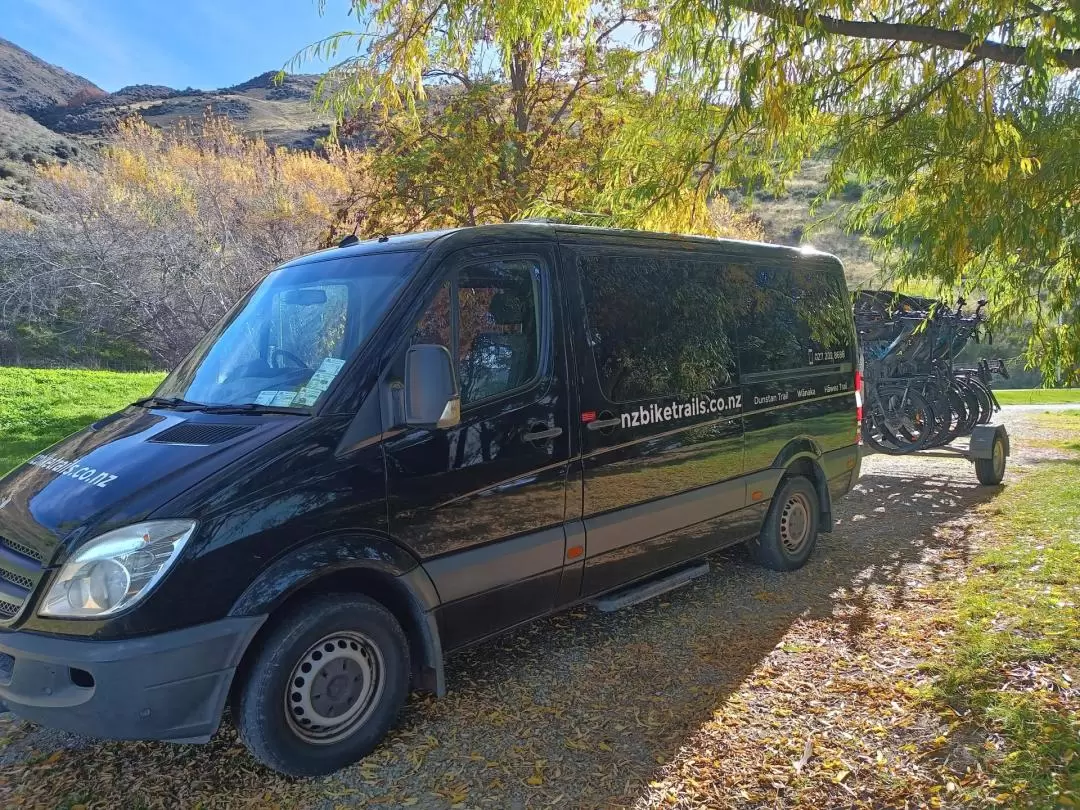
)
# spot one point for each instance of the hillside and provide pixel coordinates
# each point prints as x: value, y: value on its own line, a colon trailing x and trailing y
x: 25, y: 144
x: 29, y: 84
x: 788, y: 221
x: 282, y: 114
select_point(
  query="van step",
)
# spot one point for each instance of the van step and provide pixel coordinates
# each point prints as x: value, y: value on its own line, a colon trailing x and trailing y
x: 632, y: 594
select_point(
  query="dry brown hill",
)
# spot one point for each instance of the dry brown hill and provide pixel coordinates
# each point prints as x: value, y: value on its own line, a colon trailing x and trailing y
x: 29, y: 84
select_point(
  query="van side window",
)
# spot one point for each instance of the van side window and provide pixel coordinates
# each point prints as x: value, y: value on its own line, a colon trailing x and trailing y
x: 794, y: 318
x: 659, y: 324
x: 489, y: 318
x: 434, y: 326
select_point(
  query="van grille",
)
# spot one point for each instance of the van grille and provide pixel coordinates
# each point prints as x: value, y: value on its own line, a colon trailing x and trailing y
x: 21, y: 569
x: 26, y: 551
x: 194, y: 433
x: 18, y: 579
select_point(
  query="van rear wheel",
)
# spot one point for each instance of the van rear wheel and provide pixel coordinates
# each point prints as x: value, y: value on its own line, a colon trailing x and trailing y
x: 789, y: 534
x: 325, y: 686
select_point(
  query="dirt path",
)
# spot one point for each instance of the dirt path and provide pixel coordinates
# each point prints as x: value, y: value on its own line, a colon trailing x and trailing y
x: 747, y: 689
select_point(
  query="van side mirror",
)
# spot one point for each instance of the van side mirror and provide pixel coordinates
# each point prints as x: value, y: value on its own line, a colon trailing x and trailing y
x: 431, y: 392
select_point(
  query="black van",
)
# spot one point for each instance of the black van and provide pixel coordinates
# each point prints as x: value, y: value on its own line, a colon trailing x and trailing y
x: 393, y: 449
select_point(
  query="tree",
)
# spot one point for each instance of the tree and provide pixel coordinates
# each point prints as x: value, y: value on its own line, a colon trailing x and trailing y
x: 156, y: 242
x: 960, y: 116
x: 486, y: 117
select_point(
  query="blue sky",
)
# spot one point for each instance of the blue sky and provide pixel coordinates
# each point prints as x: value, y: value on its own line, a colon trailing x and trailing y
x: 187, y: 43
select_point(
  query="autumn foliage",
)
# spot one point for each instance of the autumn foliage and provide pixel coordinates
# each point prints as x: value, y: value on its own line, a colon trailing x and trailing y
x: 154, y: 243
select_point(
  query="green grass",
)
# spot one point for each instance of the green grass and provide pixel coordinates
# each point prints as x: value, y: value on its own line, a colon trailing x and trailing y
x: 1037, y: 396
x: 40, y: 407
x: 1015, y: 666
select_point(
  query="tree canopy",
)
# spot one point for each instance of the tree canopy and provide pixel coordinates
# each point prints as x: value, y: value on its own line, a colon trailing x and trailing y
x: 960, y: 116
x: 484, y: 114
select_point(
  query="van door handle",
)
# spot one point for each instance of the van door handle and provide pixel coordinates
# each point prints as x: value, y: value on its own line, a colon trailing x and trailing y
x: 542, y: 435
x: 604, y: 424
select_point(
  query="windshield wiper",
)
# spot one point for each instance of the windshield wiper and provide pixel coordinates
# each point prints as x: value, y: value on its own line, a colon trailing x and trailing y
x: 250, y: 407
x: 168, y: 402
x: 176, y: 403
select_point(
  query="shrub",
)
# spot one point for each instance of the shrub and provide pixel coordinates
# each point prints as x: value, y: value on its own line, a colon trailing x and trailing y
x: 153, y: 245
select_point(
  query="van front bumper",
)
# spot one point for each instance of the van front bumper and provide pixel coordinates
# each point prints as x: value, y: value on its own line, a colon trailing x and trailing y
x: 171, y: 686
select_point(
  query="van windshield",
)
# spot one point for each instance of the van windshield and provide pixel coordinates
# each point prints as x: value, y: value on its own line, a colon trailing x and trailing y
x: 284, y: 344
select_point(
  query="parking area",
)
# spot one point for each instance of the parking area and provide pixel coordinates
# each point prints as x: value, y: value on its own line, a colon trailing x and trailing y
x: 601, y: 710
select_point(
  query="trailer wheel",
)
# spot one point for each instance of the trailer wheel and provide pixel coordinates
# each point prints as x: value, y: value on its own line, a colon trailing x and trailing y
x: 326, y: 685
x: 991, y: 470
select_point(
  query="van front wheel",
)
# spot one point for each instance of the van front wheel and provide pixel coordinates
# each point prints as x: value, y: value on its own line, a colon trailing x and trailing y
x: 790, y: 531
x: 325, y: 686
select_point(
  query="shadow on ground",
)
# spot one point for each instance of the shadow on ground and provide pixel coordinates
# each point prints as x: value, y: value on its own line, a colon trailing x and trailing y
x: 579, y: 710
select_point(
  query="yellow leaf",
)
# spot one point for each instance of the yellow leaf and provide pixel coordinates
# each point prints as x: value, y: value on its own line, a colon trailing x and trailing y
x: 603, y: 746
x: 840, y: 777
x: 535, y: 780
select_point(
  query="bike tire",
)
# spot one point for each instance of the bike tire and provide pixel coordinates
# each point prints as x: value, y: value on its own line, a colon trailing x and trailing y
x: 986, y: 404
x: 971, y: 402
x: 900, y: 420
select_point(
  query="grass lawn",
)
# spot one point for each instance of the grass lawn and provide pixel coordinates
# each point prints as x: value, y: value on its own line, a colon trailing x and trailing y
x: 38, y: 407
x: 1014, y: 669
x: 1037, y: 396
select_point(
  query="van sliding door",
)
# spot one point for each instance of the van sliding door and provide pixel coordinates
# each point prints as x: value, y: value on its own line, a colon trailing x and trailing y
x: 661, y: 435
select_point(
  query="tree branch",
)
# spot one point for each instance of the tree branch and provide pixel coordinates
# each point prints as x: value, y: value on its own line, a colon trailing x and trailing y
x: 904, y: 32
x: 921, y: 98
x: 457, y: 75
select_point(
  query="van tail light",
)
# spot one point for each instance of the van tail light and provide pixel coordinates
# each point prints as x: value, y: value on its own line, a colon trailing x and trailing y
x: 858, y: 406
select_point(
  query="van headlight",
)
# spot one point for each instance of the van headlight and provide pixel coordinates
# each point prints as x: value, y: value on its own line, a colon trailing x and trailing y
x: 115, y: 570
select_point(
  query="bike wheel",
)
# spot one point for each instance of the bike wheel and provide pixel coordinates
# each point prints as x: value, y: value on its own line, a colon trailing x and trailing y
x: 971, y: 405
x: 955, y: 412
x: 900, y: 420
x: 986, y: 404
x: 938, y: 399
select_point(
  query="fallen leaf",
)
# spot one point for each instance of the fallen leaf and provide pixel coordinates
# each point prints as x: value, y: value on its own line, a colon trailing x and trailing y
x: 808, y: 751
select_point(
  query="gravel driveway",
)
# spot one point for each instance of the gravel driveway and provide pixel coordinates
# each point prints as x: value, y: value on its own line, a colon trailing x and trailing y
x: 581, y: 710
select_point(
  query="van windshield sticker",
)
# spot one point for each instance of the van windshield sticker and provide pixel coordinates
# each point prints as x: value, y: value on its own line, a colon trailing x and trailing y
x: 72, y: 469
x: 319, y: 381
x: 283, y: 399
